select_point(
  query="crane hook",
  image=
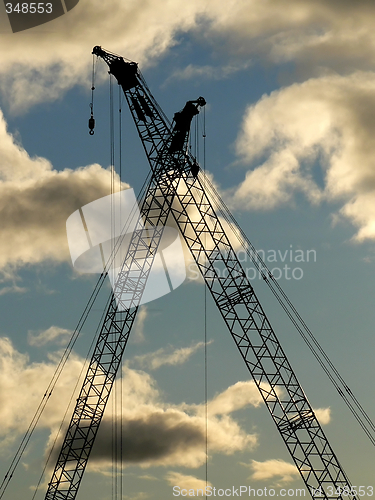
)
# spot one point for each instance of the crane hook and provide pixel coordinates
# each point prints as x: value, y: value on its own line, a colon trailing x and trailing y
x: 91, y: 124
x: 92, y: 119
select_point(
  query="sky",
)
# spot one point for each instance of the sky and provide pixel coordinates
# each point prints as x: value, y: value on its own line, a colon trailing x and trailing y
x: 290, y: 122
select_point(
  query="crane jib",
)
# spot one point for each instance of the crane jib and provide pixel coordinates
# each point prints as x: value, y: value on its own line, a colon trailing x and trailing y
x: 176, y: 189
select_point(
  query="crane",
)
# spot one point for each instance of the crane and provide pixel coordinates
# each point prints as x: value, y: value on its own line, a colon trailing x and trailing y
x: 177, y: 188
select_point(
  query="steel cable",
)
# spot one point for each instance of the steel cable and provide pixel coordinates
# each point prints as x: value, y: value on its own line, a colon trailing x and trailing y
x: 331, y: 371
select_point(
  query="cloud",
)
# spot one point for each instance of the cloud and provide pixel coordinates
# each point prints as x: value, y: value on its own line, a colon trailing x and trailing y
x: 168, y: 356
x: 325, y: 123
x: 168, y: 437
x: 155, y: 433
x: 52, y: 334
x: 207, y: 72
x: 155, y: 437
x: 36, y: 200
x: 34, y: 71
x: 323, y: 415
x: 186, y: 482
x: 333, y: 33
x: 29, y: 381
x: 235, y: 397
x: 138, y: 329
x: 12, y: 289
x: 279, y: 469
x: 9, y: 275
x: 141, y: 495
x: 158, y: 434
x: 317, y: 33
x: 148, y: 477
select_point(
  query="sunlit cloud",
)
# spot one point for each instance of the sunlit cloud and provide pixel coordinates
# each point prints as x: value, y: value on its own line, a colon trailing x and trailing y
x: 323, y: 415
x: 324, y: 123
x: 160, y: 434
x: 138, y: 329
x: 154, y: 432
x: 141, y: 495
x: 53, y: 334
x: 207, y: 72
x: 168, y: 356
x: 9, y: 281
x: 235, y: 397
x: 314, y: 33
x: 29, y: 381
x: 187, y: 482
x: 35, y: 201
x: 280, y: 470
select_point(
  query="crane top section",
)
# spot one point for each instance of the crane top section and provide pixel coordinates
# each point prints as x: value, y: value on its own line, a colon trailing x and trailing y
x: 182, y: 121
x: 125, y: 72
x: 143, y: 105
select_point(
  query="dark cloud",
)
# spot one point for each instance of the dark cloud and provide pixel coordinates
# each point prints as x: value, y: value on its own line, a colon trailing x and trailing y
x: 151, y: 437
x: 338, y: 34
x: 154, y: 434
x: 36, y: 200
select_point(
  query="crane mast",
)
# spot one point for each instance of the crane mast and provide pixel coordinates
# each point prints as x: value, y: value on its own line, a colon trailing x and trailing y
x: 177, y: 189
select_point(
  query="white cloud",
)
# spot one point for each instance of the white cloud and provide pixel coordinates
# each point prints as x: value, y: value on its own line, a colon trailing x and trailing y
x: 168, y: 356
x: 12, y: 289
x: 34, y: 70
x: 148, y: 477
x: 323, y: 415
x: 35, y: 201
x: 315, y: 33
x: 42, y: 63
x: 326, y: 121
x: 187, y: 482
x: 160, y: 434
x: 9, y: 275
x: 52, y: 334
x: 29, y: 381
x: 270, y: 469
x: 138, y: 329
x: 234, y: 398
x: 155, y: 433
x: 207, y: 72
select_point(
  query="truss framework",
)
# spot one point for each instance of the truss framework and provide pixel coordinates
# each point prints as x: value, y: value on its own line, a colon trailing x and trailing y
x: 117, y: 324
x: 176, y: 189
